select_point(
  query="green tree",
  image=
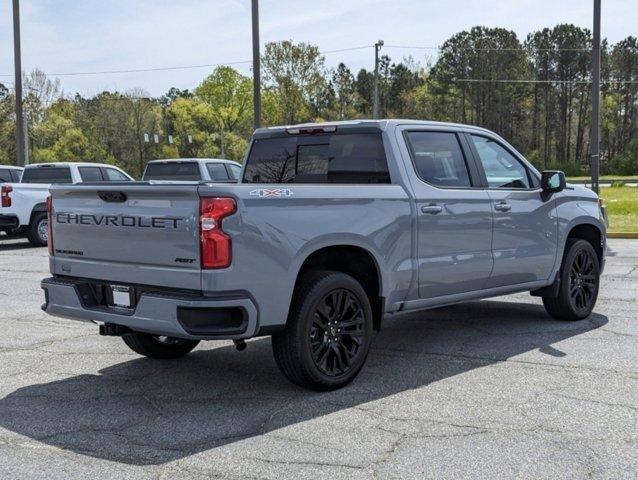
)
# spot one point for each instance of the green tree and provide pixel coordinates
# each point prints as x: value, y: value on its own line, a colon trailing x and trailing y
x: 295, y: 72
x: 467, y: 79
x: 229, y: 96
x: 193, y: 123
x: 344, y: 93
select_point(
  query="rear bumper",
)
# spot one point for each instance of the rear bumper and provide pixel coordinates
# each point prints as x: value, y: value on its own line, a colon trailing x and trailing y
x: 9, y: 222
x: 159, y: 313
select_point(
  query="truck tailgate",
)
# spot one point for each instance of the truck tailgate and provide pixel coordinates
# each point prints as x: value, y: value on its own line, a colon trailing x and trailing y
x: 131, y: 233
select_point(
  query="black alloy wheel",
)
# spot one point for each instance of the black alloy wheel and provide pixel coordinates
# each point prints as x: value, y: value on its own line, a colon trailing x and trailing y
x: 579, y: 279
x: 583, y: 282
x: 337, y: 332
x: 328, y: 331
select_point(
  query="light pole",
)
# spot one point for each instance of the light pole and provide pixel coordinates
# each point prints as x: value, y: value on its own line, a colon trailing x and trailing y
x: 21, y: 143
x: 375, y: 104
x: 256, y: 67
x: 595, y: 102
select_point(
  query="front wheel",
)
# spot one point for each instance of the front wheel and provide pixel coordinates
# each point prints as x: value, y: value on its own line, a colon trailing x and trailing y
x: 579, y: 282
x: 158, y: 346
x: 328, y: 333
x: 38, y: 230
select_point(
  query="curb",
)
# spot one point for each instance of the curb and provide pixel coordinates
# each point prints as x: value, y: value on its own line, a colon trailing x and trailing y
x: 631, y: 235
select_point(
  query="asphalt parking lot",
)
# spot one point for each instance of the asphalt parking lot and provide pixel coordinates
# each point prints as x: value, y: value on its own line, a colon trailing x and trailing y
x: 492, y: 389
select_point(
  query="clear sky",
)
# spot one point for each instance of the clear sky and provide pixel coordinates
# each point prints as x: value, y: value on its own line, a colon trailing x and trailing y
x: 92, y: 35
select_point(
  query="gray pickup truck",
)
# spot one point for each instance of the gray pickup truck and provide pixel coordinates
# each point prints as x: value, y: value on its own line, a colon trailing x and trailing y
x: 331, y: 228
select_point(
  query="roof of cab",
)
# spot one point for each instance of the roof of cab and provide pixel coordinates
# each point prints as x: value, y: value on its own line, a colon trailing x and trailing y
x: 11, y: 167
x: 364, y: 124
x: 173, y: 160
x: 66, y: 164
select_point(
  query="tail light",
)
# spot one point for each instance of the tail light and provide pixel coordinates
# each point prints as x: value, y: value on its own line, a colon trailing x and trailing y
x: 215, y: 245
x: 5, y: 190
x: 49, y: 205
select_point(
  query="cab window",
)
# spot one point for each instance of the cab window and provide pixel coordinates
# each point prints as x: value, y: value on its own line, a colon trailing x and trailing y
x: 91, y: 174
x: 438, y: 159
x: 217, y: 171
x: 502, y: 169
x: 5, y: 175
x: 234, y: 171
x: 113, y: 175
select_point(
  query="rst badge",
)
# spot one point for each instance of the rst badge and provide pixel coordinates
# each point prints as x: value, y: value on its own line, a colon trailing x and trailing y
x: 271, y: 192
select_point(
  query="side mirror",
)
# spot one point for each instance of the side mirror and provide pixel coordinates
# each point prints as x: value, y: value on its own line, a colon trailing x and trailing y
x: 553, y: 181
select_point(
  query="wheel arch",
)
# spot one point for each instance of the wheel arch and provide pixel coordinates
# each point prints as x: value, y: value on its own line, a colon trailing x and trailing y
x: 591, y: 233
x: 37, y: 208
x: 354, y: 260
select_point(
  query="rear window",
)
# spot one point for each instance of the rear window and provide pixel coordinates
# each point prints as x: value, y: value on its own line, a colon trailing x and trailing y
x: 340, y: 158
x: 172, y: 171
x: 47, y: 175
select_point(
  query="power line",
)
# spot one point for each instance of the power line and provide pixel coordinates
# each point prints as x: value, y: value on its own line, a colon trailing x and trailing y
x: 140, y: 70
x: 496, y: 49
x: 326, y: 52
x: 182, y: 67
x: 586, y: 82
x: 559, y: 82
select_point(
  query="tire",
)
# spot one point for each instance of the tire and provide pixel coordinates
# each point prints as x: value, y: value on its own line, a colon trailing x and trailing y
x: 156, y: 346
x: 37, y: 231
x: 328, y: 332
x: 579, y: 283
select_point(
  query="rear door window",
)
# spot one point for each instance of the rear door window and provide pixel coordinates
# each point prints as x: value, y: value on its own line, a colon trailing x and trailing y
x: 47, y: 175
x: 357, y: 158
x: 438, y: 159
x: 217, y: 171
x: 187, y: 171
x: 91, y: 174
x: 16, y: 175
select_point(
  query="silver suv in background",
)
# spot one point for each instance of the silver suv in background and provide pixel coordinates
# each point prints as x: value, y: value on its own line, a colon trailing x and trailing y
x: 193, y: 169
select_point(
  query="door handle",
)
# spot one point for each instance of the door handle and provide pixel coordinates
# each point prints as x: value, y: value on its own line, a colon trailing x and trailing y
x: 432, y: 209
x: 503, y: 207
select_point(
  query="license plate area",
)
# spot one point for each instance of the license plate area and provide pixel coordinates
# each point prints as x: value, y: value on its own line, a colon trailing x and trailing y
x: 118, y: 296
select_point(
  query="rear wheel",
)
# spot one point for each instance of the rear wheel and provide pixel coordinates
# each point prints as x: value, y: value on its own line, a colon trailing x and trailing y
x: 328, y: 333
x: 579, y: 282
x: 158, y: 346
x: 38, y: 230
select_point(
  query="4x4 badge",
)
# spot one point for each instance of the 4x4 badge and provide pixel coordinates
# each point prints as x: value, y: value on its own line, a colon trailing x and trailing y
x: 271, y: 192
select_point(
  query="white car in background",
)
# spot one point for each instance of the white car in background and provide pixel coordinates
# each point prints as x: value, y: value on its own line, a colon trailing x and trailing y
x: 23, y: 201
x: 193, y: 169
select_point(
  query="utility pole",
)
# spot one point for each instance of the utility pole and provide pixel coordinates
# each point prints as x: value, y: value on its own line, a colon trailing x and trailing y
x: 595, y: 103
x: 21, y: 143
x: 375, y: 104
x: 256, y: 67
